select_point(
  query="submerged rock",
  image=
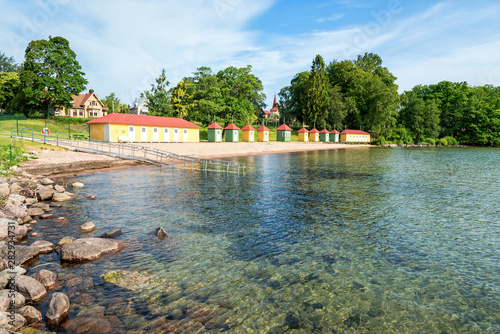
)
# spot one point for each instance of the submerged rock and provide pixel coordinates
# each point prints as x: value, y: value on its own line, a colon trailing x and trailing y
x: 93, y: 324
x: 87, y: 227
x: 47, y: 278
x: 161, y: 234
x: 88, y: 249
x: 31, y: 289
x: 44, y: 247
x: 114, y: 233
x: 58, y: 309
x: 31, y: 314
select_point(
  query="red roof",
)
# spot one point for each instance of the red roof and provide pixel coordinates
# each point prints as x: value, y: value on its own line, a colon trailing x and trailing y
x: 275, y: 105
x: 355, y: 132
x: 284, y: 127
x: 303, y: 130
x: 214, y: 126
x: 324, y: 131
x: 131, y: 119
x: 267, y: 112
x: 314, y: 131
x: 248, y: 127
x: 231, y: 127
x: 334, y: 131
x: 263, y: 128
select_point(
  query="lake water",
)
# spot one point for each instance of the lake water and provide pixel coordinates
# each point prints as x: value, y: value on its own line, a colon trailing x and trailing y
x: 356, y: 241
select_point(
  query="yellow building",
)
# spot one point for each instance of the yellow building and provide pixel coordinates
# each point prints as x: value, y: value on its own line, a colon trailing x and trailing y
x: 354, y: 136
x: 303, y: 135
x: 142, y: 128
x: 314, y: 135
x: 83, y: 105
x: 263, y: 134
x: 247, y: 133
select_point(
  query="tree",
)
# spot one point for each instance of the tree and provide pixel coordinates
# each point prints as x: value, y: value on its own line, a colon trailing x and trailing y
x: 50, y: 74
x: 158, y: 97
x: 298, y: 91
x: 419, y: 116
x: 181, y: 97
x: 317, y: 89
x: 9, y: 87
x: 285, y: 105
x: 8, y: 64
x: 113, y: 103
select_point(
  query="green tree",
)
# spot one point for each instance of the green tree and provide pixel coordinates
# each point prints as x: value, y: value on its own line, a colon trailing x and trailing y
x: 317, y: 93
x: 182, y: 98
x: 158, y: 97
x: 207, y: 96
x: 298, y: 91
x: 8, y: 64
x: 9, y: 87
x: 420, y: 116
x: 112, y: 102
x: 285, y: 105
x: 50, y: 74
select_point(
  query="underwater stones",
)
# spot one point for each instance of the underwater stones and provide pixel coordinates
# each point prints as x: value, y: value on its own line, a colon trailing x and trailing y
x: 84, y: 299
x: 47, y: 278
x: 88, y: 249
x: 31, y: 289
x: 31, y: 314
x: 161, y: 234
x: 114, y: 233
x: 58, y: 309
x: 44, y: 247
x: 93, y: 324
x: 120, y: 307
x: 87, y: 227
x: 353, y: 321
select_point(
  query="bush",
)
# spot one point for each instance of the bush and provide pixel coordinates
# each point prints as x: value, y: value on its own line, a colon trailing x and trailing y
x: 72, y: 120
x: 379, y: 141
x: 442, y: 142
x: 451, y: 140
x: 5, y: 156
x: 430, y: 141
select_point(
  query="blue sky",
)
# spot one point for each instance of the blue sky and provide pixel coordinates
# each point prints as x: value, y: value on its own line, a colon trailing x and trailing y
x: 123, y: 45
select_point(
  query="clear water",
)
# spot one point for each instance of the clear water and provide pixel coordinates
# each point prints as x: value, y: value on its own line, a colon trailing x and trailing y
x: 354, y: 241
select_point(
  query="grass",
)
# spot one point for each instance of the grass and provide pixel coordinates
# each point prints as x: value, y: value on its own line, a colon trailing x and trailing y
x: 39, y: 124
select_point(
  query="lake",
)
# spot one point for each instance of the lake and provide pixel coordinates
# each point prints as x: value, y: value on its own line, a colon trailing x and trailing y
x: 379, y: 240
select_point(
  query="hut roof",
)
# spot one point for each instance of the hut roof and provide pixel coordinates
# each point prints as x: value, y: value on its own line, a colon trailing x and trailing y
x: 131, y: 119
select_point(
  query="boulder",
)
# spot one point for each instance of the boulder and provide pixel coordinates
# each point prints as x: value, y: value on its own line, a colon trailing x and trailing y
x: 26, y: 220
x: 61, y: 197
x: 35, y: 212
x: 88, y: 249
x: 29, y: 185
x: 77, y: 185
x: 47, y: 278
x: 9, y: 274
x: 87, y: 227
x: 12, y: 324
x: 17, y: 211
x: 44, y: 247
x: 23, y: 254
x: 16, y: 199
x: 6, y: 298
x: 7, y: 225
x: 45, y: 193
x: 58, y: 309
x: 114, y: 233
x: 31, y: 289
x: 28, y: 193
x: 44, y: 206
x: 46, y: 181
x: 55, y: 205
x: 4, y: 190
x: 15, y: 188
x: 46, y: 216
x: 161, y: 233
x: 59, y: 188
x: 31, y: 314
x: 65, y: 240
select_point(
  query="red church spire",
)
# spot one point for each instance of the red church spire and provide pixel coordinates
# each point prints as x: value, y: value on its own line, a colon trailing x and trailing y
x: 275, y: 104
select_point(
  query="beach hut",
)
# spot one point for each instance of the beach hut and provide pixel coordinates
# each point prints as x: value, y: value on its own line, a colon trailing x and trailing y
x: 117, y: 127
x: 214, y: 133
x: 335, y: 136
x: 247, y: 133
x: 303, y: 135
x: 263, y: 134
x: 314, y: 135
x: 232, y: 133
x: 354, y: 136
x: 284, y: 133
x: 324, y: 135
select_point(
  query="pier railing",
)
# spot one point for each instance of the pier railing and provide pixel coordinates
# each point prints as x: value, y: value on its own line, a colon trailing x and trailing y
x: 131, y: 151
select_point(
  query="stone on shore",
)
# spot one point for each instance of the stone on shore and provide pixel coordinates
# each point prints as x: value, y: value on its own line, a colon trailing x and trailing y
x: 29, y: 185
x: 46, y: 181
x: 161, y: 233
x: 31, y: 314
x: 77, y: 185
x: 7, y: 274
x: 61, y: 197
x: 114, y: 233
x: 15, y: 188
x: 47, y: 278
x: 65, y: 240
x: 58, y: 309
x: 15, y: 210
x: 4, y: 190
x: 44, y: 206
x: 16, y: 199
x: 23, y: 254
x: 19, y: 231
x: 87, y: 227
x: 45, y: 193
x: 6, y: 298
x: 44, y: 247
x: 35, y: 212
x: 59, y: 188
x: 31, y: 289
x: 88, y: 249
x: 55, y: 205
x: 12, y: 324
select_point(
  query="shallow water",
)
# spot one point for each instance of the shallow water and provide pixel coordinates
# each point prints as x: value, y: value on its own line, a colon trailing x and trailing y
x: 357, y: 241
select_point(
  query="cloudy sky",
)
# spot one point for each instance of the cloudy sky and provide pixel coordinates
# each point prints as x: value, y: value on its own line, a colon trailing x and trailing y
x: 123, y: 45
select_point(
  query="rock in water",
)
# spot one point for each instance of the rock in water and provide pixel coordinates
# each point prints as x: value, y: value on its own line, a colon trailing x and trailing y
x: 58, y: 309
x: 31, y: 314
x: 12, y: 324
x: 88, y: 249
x: 65, y: 240
x: 44, y: 247
x: 31, y: 289
x: 87, y: 227
x: 61, y: 197
x: 116, y: 232
x: 77, y: 185
x: 47, y: 278
x: 161, y: 234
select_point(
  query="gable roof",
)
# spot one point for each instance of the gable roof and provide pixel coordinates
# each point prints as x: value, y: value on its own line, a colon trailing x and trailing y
x: 266, y: 112
x: 248, y: 127
x: 303, y: 130
x: 324, y: 131
x: 313, y: 130
x: 231, y: 126
x: 284, y: 127
x: 334, y: 131
x: 354, y: 132
x: 80, y: 100
x: 132, y: 119
x: 263, y: 128
x: 214, y: 125
x: 275, y: 105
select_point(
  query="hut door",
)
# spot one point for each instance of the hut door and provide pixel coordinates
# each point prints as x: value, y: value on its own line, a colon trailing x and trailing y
x: 251, y: 136
x: 155, y: 134
x: 185, y: 136
x: 218, y: 136
x: 266, y: 135
x: 131, y: 133
x: 144, y: 133
x: 166, y: 135
x: 176, y: 135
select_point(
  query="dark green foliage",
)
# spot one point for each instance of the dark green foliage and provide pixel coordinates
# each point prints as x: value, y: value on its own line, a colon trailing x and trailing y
x: 8, y: 64
x: 451, y: 141
x: 159, y: 97
x: 72, y: 120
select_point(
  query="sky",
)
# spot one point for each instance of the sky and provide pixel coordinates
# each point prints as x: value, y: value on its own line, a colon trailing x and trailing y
x: 123, y: 45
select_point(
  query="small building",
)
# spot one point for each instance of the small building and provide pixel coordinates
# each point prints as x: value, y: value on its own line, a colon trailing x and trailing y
x: 354, y: 136
x: 303, y: 135
x: 314, y: 135
x: 247, y: 133
x: 214, y: 133
x: 324, y: 135
x: 139, y: 106
x: 83, y: 105
x: 284, y: 133
x: 263, y: 134
x: 117, y: 127
x: 232, y: 133
x: 335, y: 136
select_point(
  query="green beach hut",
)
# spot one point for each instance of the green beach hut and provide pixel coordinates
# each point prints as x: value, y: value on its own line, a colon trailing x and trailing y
x: 232, y: 133
x: 284, y: 133
x: 214, y: 133
x: 335, y: 136
x: 324, y: 135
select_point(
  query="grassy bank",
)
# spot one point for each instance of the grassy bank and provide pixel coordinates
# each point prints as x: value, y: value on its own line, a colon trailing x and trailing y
x: 38, y: 124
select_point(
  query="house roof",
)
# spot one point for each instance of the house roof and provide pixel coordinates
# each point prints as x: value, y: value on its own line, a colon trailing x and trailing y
x: 354, y: 132
x: 117, y: 118
x: 303, y: 130
x: 314, y: 131
x: 231, y: 127
x: 334, y: 131
x: 324, y: 131
x: 214, y: 126
x: 263, y: 128
x: 80, y: 99
x: 266, y: 112
x: 284, y: 127
x: 248, y: 127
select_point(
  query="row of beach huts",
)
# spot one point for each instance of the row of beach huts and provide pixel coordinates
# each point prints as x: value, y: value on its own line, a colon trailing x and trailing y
x: 117, y: 127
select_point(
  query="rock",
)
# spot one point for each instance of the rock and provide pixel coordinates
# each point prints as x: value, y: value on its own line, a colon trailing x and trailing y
x: 29, y: 185
x: 45, y: 193
x: 92, y: 310
x: 61, y: 197
x: 26, y: 220
x: 114, y: 233
x: 44, y: 206
x: 44, y: 247
x: 65, y: 240
x: 61, y: 219
x: 27, y: 193
x: 93, y: 324
x: 17, y: 211
x: 46, y: 181
x: 6, y: 225
x: 23, y: 254
x: 120, y: 307
x: 46, y: 216
x: 31, y: 289
x: 31, y: 314
x: 15, y: 188
x: 4, y: 190
x: 55, y: 205
x: 6, y: 298
x: 8, y: 274
x: 90, y: 196
x: 87, y: 227
x: 77, y: 185
x: 34, y: 235
x: 161, y: 234
x: 35, y: 212
x: 88, y: 249
x: 16, y: 199
x: 47, y: 278
x: 59, y: 189
x: 58, y: 309
x: 85, y: 299
x: 12, y: 324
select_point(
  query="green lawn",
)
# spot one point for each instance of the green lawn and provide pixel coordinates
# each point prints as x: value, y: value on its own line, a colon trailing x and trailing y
x: 39, y: 124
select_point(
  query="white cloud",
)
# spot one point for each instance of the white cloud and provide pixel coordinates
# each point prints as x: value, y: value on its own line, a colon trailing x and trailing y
x: 333, y: 18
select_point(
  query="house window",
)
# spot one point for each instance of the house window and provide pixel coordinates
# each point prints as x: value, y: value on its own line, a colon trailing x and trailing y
x: 74, y: 114
x: 81, y: 113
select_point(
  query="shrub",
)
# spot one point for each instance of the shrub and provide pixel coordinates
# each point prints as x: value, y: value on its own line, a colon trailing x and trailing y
x: 379, y: 141
x: 451, y: 140
x: 430, y: 141
x: 72, y: 120
x: 442, y: 142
